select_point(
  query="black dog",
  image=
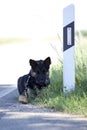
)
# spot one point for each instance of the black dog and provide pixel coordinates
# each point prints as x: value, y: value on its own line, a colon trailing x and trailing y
x: 37, y: 78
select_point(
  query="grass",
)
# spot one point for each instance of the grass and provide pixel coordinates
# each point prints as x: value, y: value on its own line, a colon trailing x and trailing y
x: 12, y: 40
x: 53, y: 97
x: 74, y: 102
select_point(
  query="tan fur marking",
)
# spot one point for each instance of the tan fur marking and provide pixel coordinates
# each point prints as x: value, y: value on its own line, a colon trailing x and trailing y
x: 33, y: 73
x: 23, y: 99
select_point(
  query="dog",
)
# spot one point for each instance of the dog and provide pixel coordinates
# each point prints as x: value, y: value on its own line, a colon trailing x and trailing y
x: 37, y: 78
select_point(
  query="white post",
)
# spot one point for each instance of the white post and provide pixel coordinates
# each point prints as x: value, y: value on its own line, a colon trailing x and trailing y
x: 68, y: 49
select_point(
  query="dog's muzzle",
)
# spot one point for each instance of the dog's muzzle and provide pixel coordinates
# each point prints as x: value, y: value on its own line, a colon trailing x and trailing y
x: 42, y: 82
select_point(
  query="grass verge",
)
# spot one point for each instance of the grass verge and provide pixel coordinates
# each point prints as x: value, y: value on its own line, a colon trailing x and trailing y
x: 74, y: 102
x: 12, y: 40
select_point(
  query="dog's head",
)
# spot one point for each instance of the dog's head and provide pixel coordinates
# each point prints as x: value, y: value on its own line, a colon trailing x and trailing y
x: 40, y: 71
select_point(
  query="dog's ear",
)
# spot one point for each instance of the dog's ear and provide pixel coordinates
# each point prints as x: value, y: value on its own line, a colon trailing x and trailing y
x: 33, y: 63
x: 47, y: 61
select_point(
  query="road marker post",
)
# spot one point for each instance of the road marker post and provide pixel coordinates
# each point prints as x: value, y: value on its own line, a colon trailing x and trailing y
x: 68, y: 48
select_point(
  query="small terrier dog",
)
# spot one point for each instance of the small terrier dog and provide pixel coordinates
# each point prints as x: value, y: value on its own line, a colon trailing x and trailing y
x: 37, y: 78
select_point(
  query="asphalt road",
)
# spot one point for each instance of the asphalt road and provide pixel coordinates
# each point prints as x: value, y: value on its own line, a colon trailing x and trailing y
x: 16, y: 116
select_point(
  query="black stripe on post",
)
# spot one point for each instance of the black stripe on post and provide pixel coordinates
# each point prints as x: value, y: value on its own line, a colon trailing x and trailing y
x: 68, y: 36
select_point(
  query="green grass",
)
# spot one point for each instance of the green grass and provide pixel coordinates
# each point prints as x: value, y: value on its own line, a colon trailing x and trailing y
x: 74, y: 102
x: 12, y: 40
x: 53, y: 97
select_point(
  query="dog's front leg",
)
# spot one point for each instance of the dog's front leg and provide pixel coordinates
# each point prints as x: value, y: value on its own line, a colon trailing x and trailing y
x: 23, y: 95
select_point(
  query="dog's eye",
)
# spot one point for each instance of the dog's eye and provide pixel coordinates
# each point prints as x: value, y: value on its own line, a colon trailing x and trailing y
x: 43, y: 71
x: 38, y: 72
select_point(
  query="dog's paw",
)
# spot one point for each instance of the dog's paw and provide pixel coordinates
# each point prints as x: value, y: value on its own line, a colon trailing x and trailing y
x: 23, y: 99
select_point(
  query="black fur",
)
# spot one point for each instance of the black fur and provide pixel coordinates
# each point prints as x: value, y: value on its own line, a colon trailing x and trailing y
x: 38, y: 76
